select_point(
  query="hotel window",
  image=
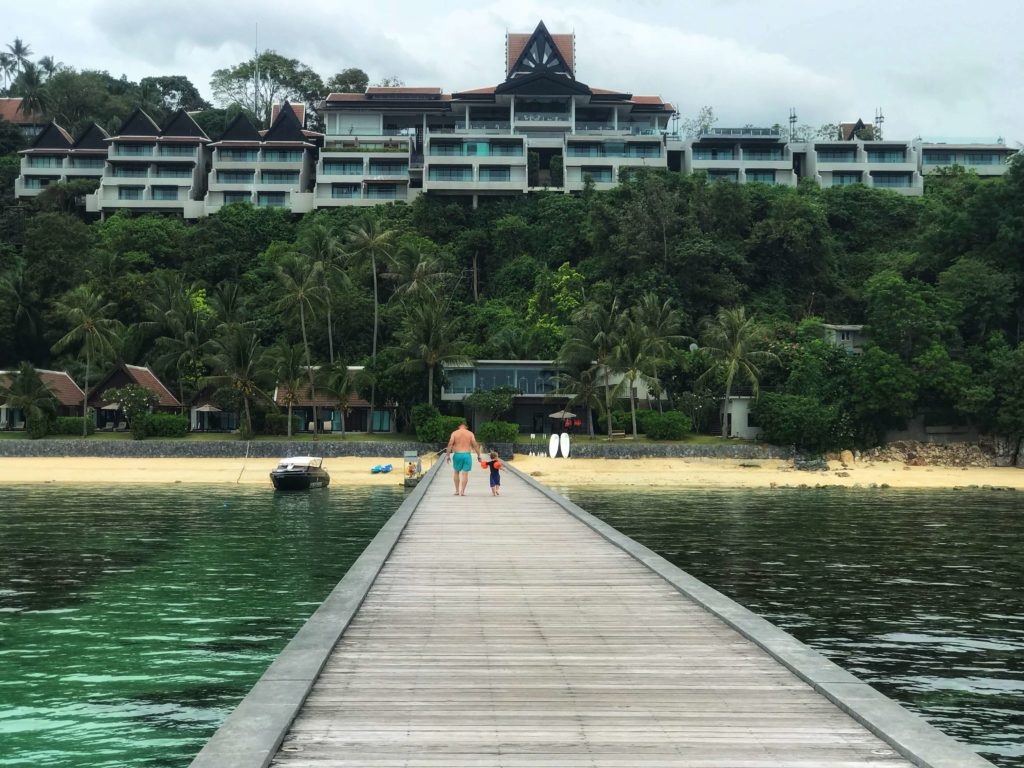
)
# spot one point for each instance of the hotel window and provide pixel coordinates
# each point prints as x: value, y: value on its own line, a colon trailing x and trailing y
x: 133, y: 150
x: 45, y: 162
x: 174, y: 172
x: 888, y: 156
x: 335, y: 168
x: 845, y: 179
x: 506, y: 149
x: 938, y: 158
x: 382, y: 191
x: 237, y: 155
x: 130, y: 171
x: 389, y: 169
x: 171, y: 150
x: 165, y: 193
x: 837, y: 155
x: 344, y: 191
x: 761, y: 177
x: 584, y: 150
x: 714, y: 176
x: 981, y: 158
x: 460, y: 382
x: 87, y: 162
x: 450, y: 173
x: 129, y: 193
x: 446, y: 149
x: 713, y: 153
x: 271, y: 200
x: 237, y: 197
x: 279, y: 177
x: 282, y: 155
x: 235, y: 177
x: 892, y: 180
x: 644, y: 150
x: 762, y: 154
x: 599, y: 175
x: 495, y: 174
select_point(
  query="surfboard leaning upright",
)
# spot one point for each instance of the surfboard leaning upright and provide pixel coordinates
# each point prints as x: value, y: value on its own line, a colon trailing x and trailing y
x: 553, y: 445
x: 563, y: 444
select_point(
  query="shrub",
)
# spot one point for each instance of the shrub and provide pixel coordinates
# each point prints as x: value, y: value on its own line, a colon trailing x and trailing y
x: 671, y: 425
x: 163, y: 425
x: 498, y: 432
x: 437, y: 429
x: 797, y: 420
x: 277, y: 423
x: 72, y: 425
x: 422, y: 413
x: 643, y: 420
x: 138, y: 427
x: 620, y: 420
x: 40, y: 427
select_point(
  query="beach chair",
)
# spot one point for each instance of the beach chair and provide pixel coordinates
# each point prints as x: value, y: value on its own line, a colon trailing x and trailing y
x: 108, y: 427
x: 328, y: 426
x: 312, y: 426
x: 122, y: 426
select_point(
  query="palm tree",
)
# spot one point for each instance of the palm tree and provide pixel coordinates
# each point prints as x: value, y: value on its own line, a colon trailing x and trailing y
x: 369, y: 242
x: 337, y: 382
x: 48, y: 66
x: 320, y: 244
x: 183, y: 327
x: 239, y: 362
x: 430, y: 339
x: 19, y: 51
x: 635, y: 356
x: 31, y: 86
x: 227, y: 303
x: 734, y: 343
x: 8, y: 66
x: 289, y: 371
x: 661, y: 322
x: 301, y: 293
x: 91, y: 329
x: 26, y: 392
x: 590, y: 341
x: 17, y: 293
x: 584, y: 389
x: 414, y: 273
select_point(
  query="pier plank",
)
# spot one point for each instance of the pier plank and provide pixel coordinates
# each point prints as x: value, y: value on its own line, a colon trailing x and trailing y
x: 504, y: 632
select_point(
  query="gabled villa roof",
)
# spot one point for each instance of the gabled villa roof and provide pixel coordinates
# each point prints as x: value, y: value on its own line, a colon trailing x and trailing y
x: 137, y: 374
x: 298, y: 109
x: 286, y: 128
x: 138, y: 123
x: 181, y: 125
x: 518, y: 44
x: 92, y: 138
x: 60, y: 384
x: 10, y: 110
x: 240, y: 129
x: 52, y: 138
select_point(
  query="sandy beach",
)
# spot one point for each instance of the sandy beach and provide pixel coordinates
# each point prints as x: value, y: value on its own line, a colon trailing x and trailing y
x: 641, y: 473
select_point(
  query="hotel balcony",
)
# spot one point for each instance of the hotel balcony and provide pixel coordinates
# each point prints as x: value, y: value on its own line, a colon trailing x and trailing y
x: 188, y: 153
x: 480, y: 176
x: 145, y: 198
x: 30, y: 186
x: 604, y: 177
x: 902, y: 182
x: 990, y: 159
x: 357, y: 193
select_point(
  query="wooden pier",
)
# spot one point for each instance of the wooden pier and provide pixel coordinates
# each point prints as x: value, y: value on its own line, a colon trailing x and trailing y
x: 519, y: 631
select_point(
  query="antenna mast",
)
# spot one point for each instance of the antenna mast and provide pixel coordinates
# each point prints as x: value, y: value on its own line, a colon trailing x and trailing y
x: 879, y: 120
x: 792, y: 122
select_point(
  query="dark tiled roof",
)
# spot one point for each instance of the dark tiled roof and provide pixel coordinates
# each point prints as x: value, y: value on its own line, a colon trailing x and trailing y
x: 92, y: 138
x: 51, y: 137
x: 241, y: 129
x: 286, y: 127
x: 139, y: 124
x: 381, y: 90
x: 182, y: 125
x: 322, y: 399
x: 146, y: 378
x: 60, y: 384
x: 516, y: 42
x: 298, y: 109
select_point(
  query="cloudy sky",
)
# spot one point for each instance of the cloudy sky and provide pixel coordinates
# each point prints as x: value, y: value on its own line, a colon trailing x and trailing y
x: 937, y: 68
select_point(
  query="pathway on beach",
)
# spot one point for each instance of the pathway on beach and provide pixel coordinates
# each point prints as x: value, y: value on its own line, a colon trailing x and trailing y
x: 505, y: 632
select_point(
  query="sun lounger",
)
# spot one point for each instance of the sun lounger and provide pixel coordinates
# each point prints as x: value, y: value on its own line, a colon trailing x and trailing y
x: 328, y: 426
x: 122, y: 426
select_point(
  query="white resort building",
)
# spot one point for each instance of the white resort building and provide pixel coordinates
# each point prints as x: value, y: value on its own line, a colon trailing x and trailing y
x: 538, y: 129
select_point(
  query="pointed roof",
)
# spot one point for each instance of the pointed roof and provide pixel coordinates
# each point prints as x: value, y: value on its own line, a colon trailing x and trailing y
x: 92, y: 137
x: 286, y: 127
x: 52, y: 137
x: 60, y: 384
x: 539, y: 52
x: 139, y: 124
x: 181, y: 125
x: 241, y: 129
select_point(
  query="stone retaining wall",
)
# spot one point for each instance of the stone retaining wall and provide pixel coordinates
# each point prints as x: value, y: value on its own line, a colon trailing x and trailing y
x: 266, y: 449
x: 208, y: 449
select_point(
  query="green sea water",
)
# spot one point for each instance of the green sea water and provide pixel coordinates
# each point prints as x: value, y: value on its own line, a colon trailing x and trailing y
x: 919, y: 593
x: 133, y: 619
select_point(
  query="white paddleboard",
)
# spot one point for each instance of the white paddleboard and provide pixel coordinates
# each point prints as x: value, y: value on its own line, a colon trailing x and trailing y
x: 563, y: 443
x: 553, y: 446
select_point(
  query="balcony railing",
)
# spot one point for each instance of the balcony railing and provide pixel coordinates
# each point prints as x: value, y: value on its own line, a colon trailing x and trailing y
x: 762, y: 132
x: 343, y: 169
x: 542, y: 117
x: 177, y: 151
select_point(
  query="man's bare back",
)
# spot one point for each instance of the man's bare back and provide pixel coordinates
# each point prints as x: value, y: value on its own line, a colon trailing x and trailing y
x: 463, y: 441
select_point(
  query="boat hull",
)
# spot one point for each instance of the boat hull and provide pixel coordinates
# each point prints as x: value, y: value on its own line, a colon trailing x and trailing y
x: 300, y: 481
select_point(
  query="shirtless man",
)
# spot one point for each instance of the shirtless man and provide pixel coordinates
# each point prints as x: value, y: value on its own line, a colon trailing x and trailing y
x: 460, y: 447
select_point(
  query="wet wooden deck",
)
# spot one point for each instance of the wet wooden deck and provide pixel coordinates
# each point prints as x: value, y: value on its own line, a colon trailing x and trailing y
x: 505, y: 632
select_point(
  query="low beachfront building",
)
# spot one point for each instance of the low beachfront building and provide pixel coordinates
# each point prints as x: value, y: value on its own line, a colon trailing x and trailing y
x: 737, y: 417
x: 13, y: 111
x: 67, y: 394
x: 270, y: 169
x: 329, y: 414
x: 55, y: 157
x: 108, y: 411
x: 152, y: 169
x: 849, y: 337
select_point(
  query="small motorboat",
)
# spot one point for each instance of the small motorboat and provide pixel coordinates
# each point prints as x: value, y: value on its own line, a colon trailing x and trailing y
x: 300, y: 473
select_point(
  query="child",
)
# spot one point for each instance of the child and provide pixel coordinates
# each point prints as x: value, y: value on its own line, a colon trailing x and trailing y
x: 496, y: 468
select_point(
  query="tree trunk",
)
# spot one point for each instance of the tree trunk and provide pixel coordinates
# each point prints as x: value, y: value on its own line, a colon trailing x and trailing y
x: 373, y: 352
x: 608, y: 401
x: 342, y: 412
x: 309, y: 366
x: 85, y: 398
x: 590, y: 421
x: 430, y: 384
x: 476, y: 279
x: 725, y: 410
x: 290, y: 417
x: 330, y: 332
x: 632, y: 405
x: 248, y: 415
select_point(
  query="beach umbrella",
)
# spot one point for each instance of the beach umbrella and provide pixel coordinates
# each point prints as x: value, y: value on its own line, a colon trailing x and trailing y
x: 111, y: 407
x: 562, y: 415
x: 208, y: 408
